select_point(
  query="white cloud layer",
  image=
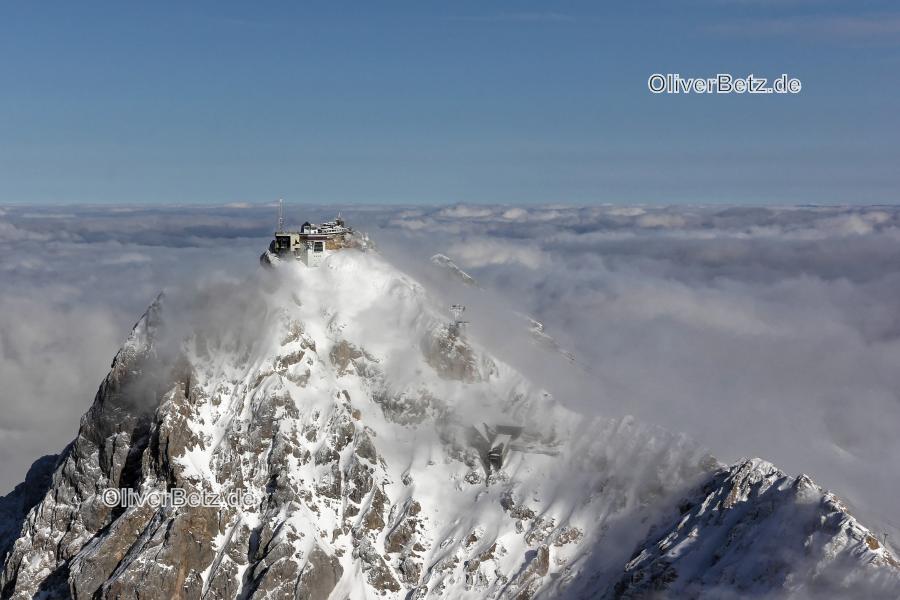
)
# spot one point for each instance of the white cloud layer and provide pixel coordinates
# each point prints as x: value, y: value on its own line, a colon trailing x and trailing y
x: 770, y: 332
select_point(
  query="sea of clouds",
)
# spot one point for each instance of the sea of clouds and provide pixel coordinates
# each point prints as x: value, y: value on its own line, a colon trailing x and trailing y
x: 771, y: 332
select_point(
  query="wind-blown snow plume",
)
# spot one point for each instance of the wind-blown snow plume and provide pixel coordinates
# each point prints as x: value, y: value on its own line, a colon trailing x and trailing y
x: 759, y: 331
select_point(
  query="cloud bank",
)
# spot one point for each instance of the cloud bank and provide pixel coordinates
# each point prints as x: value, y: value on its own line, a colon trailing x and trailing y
x: 771, y: 332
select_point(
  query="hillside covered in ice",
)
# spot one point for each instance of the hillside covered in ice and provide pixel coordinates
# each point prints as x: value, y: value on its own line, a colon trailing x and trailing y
x: 362, y: 422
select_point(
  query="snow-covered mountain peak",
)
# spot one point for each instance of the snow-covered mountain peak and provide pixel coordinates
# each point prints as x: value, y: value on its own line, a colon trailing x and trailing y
x: 379, y: 450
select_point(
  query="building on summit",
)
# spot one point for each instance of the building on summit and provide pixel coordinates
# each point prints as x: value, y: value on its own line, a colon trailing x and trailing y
x: 312, y: 242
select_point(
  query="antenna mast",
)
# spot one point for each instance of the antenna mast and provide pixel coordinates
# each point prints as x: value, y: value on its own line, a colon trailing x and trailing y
x: 280, y: 215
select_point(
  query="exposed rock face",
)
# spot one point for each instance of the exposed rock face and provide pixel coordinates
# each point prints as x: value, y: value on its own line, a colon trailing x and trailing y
x: 320, y: 575
x: 337, y: 410
x: 15, y: 506
x: 451, y: 356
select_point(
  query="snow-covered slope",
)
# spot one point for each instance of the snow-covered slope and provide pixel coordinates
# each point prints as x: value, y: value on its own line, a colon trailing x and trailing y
x: 348, y: 408
x: 753, y: 531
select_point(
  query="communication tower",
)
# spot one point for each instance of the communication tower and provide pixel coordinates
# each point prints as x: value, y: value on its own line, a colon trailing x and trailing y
x: 457, y: 310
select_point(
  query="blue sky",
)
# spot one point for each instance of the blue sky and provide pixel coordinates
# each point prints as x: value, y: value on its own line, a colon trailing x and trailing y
x: 439, y: 102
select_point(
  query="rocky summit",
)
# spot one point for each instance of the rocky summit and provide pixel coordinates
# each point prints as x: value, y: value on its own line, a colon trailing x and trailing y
x: 354, y: 422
